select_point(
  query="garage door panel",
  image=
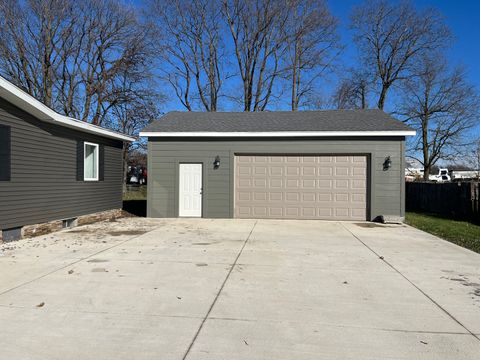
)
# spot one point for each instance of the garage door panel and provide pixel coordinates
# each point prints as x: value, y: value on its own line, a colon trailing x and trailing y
x: 341, y: 171
x: 325, y: 184
x: 292, y: 196
x: 359, y: 159
x: 260, y: 211
x: 275, y: 196
x: 260, y: 183
x: 260, y: 159
x: 325, y: 171
x: 358, y: 212
x: 358, y: 198
x: 244, y: 170
x: 243, y: 159
x: 357, y: 184
x: 244, y: 196
x: 296, y: 187
x: 309, y: 212
x: 276, y: 183
x: 260, y: 170
x: 276, y: 171
x: 308, y: 184
x: 244, y: 182
x: 260, y: 196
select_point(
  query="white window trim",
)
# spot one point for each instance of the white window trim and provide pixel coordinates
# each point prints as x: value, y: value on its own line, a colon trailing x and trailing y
x: 97, y: 164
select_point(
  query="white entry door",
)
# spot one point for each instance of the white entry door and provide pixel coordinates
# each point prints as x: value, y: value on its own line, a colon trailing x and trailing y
x: 190, y: 201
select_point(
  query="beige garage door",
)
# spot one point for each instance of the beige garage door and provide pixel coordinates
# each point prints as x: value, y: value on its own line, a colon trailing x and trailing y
x: 301, y: 187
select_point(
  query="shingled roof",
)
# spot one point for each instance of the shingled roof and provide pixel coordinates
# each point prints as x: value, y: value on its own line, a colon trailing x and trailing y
x: 282, y: 123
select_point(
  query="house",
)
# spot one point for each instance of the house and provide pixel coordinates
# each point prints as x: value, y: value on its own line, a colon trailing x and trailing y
x: 332, y: 165
x: 53, y: 167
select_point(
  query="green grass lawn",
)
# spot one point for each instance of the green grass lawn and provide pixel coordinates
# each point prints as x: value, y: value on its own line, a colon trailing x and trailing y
x: 141, y: 194
x: 458, y: 232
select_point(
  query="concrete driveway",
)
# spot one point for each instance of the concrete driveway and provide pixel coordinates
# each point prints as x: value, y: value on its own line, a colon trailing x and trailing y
x: 238, y: 289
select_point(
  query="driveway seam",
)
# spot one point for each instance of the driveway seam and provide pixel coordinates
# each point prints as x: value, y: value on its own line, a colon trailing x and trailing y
x: 413, y: 284
x: 406, y: 331
x: 73, y: 263
x: 218, y: 293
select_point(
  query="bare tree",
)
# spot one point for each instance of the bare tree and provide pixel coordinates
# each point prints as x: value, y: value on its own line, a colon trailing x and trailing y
x: 256, y: 28
x: 68, y: 54
x: 191, y: 48
x: 29, y: 39
x: 352, y: 92
x: 391, y: 38
x: 443, y: 107
x: 312, y: 45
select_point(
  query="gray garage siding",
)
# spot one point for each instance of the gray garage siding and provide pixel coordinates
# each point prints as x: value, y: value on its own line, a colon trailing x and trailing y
x: 386, y: 190
x: 43, y: 184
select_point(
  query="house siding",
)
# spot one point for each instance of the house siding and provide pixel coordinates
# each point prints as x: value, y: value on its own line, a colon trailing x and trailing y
x: 43, y: 184
x: 385, y: 192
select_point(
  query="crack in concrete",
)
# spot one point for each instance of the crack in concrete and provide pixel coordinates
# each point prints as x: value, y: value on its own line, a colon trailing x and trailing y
x: 413, y: 284
x: 218, y: 293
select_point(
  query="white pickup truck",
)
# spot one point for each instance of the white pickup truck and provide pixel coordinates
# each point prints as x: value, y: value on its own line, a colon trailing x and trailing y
x: 442, y: 176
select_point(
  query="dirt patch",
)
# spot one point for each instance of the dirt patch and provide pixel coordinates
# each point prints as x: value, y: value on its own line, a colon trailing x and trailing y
x: 71, y: 240
x: 97, y: 261
x: 202, y: 243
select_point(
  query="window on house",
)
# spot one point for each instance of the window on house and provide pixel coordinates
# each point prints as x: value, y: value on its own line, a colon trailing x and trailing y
x: 5, y: 153
x: 90, y: 162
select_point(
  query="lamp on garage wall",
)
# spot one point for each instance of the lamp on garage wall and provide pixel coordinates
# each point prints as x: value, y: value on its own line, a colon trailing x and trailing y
x: 216, y: 162
x: 387, y: 164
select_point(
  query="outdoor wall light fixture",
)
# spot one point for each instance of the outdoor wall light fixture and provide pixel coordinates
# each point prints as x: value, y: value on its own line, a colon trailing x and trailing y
x: 216, y: 163
x: 387, y: 164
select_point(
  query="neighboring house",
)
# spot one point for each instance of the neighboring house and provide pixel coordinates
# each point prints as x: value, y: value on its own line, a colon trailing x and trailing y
x: 334, y: 165
x: 53, y: 167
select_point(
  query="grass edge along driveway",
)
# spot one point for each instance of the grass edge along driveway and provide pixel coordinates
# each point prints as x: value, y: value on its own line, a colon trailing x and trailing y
x: 461, y: 233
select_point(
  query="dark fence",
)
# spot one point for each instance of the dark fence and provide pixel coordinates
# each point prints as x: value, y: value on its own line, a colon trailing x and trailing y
x: 453, y: 200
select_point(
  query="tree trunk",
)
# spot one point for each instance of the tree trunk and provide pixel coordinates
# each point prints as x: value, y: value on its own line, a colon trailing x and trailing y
x: 426, y: 173
x: 426, y: 161
x: 382, y: 97
x: 294, y: 88
x: 363, y: 97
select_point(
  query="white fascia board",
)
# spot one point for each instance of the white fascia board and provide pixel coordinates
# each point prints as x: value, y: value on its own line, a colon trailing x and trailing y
x: 29, y: 104
x: 279, y: 134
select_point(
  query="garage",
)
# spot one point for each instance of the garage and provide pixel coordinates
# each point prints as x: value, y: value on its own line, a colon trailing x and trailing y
x: 315, y: 165
x: 301, y: 187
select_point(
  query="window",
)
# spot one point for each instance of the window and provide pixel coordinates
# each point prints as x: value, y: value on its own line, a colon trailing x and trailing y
x: 90, y: 162
x: 4, y: 153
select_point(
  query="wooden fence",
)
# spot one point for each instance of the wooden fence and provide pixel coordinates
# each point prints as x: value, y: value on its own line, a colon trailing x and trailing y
x: 453, y: 200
